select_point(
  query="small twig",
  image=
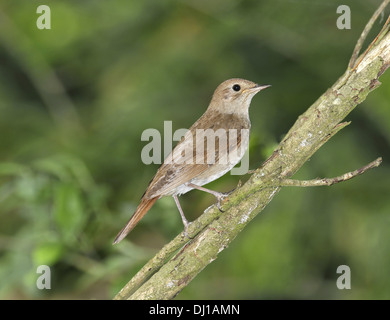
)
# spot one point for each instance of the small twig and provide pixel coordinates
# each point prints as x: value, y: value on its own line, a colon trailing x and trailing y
x: 363, y: 36
x: 336, y: 129
x: 329, y: 181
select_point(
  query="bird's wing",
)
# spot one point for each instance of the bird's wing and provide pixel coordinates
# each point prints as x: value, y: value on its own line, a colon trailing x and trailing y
x: 186, y: 162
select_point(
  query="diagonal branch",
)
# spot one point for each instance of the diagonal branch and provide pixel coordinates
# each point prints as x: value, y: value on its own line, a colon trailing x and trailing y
x: 166, y: 274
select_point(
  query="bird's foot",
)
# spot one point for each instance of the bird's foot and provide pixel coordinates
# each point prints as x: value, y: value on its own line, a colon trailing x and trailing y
x: 220, y: 197
x: 185, y: 232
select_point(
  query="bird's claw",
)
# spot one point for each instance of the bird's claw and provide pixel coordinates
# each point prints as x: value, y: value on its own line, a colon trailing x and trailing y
x: 185, y: 231
x: 222, y: 196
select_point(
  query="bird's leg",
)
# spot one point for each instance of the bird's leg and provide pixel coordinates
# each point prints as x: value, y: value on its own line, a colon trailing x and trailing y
x: 183, y: 218
x: 219, y: 195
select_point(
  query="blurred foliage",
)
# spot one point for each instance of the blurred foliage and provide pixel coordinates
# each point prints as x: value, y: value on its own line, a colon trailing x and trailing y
x: 74, y: 101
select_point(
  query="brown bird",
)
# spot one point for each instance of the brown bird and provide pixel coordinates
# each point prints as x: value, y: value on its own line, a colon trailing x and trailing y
x: 213, y: 145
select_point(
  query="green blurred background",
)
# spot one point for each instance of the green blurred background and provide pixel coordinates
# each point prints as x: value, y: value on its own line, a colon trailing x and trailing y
x: 74, y: 101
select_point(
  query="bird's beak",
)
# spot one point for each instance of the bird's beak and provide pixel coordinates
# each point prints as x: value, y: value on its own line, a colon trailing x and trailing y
x: 257, y: 88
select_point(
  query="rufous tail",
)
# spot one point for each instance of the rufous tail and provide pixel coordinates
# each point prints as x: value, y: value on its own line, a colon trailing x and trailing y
x: 141, y: 210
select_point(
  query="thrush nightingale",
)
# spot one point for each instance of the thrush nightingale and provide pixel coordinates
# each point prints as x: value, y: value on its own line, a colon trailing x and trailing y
x: 213, y: 145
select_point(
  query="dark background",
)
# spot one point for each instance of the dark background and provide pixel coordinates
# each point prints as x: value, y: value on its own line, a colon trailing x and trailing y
x: 74, y: 101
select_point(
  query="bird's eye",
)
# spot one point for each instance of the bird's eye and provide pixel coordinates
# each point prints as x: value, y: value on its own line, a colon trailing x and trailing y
x: 236, y: 87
